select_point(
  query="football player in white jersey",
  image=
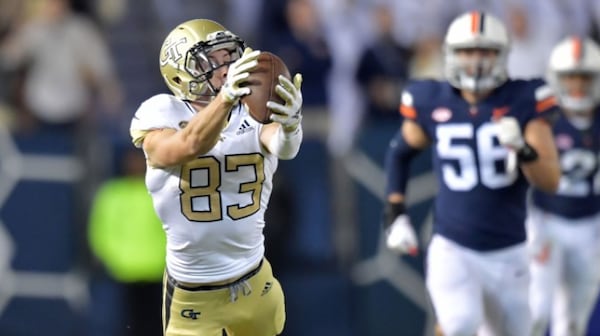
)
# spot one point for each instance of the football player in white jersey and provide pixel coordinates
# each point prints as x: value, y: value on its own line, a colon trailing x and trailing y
x: 209, y: 172
x: 563, y: 227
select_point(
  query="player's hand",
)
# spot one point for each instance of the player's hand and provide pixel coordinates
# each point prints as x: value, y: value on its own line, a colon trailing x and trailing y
x: 288, y: 115
x: 237, y: 74
x: 509, y: 133
x: 400, y: 236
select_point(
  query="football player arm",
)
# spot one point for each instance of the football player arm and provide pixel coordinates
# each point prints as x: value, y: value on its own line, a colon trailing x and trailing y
x: 407, y: 143
x: 169, y: 147
x: 283, y: 136
x: 283, y: 144
x: 400, y: 235
x: 543, y: 172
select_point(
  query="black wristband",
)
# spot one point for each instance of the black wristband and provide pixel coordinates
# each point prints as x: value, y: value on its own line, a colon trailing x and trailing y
x: 527, y: 154
x: 391, y: 211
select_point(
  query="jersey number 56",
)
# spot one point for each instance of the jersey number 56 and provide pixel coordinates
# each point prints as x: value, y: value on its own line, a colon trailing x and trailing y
x: 474, y: 164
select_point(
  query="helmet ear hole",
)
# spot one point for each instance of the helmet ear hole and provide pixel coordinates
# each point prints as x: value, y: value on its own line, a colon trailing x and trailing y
x: 176, y: 80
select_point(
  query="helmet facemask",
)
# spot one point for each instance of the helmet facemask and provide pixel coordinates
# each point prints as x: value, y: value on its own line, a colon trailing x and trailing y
x: 201, y: 66
x: 475, y: 49
x: 574, y: 75
x: 186, y: 63
x: 474, y: 68
x: 578, y: 93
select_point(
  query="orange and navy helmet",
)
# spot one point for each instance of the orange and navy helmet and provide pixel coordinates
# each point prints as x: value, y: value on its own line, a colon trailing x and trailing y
x: 476, y: 30
x: 575, y: 55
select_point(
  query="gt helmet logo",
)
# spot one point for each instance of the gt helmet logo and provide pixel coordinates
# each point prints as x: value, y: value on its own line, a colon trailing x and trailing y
x: 171, y: 53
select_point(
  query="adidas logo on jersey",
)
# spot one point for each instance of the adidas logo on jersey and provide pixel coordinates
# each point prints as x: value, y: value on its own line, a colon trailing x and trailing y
x: 245, y: 127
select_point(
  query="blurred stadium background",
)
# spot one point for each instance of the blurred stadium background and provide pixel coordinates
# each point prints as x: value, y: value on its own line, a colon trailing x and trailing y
x: 58, y: 277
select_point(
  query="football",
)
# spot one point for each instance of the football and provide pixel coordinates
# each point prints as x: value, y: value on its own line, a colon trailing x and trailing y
x: 262, y: 82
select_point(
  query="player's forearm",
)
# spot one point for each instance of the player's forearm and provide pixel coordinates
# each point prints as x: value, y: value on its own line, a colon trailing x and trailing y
x: 397, y: 162
x: 170, y: 147
x: 285, y: 144
x: 544, y: 171
x: 395, y: 198
x: 544, y: 174
x: 204, y: 130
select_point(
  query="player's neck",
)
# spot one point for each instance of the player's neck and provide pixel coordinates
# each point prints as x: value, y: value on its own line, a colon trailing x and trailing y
x: 198, y: 106
x: 582, y: 120
x: 473, y: 97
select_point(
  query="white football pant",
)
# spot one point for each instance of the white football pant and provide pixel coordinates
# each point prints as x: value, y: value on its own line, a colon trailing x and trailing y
x: 483, y: 293
x: 564, y: 287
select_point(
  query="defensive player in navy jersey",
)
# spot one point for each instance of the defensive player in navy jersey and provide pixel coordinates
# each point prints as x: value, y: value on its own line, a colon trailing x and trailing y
x: 491, y: 137
x: 563, y: 227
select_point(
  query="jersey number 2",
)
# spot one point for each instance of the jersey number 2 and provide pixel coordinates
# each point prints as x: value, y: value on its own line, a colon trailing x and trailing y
x: 209, y: 169
x: 577, y: 165
x: 464, y: 175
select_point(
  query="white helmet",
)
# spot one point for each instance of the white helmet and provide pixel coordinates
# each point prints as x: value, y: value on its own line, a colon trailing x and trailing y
x: 575, y: 55
x: 476, y: 30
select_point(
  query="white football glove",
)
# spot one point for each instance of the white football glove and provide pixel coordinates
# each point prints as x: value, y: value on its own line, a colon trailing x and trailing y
x: 509, y: 133
x: 401, y: 237
x: 288, y: 115
x: 237, y: 74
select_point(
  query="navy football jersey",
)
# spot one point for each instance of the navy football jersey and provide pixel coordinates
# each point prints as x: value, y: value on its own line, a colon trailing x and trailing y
x: 480, y: 203
x: 579, y: 191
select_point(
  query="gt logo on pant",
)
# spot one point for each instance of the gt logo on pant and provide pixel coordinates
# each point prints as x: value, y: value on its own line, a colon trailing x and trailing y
x: 190, y: 313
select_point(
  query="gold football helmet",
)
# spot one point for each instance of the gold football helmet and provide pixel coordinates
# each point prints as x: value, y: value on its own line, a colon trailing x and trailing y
x: 185, y: 64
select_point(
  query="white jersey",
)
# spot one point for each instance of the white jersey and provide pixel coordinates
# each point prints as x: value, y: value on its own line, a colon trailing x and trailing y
x: 212, y: 208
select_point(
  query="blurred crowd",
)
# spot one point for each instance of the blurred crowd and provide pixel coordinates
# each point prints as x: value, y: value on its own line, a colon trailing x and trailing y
x: 75, y: 71
x: 355, y: 54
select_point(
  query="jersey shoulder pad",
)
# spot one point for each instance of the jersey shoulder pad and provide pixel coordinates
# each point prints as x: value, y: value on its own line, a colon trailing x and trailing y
x: 159, y: 111
x: 545, y: 98
x: 539, y: 93
x: 417, y: 95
